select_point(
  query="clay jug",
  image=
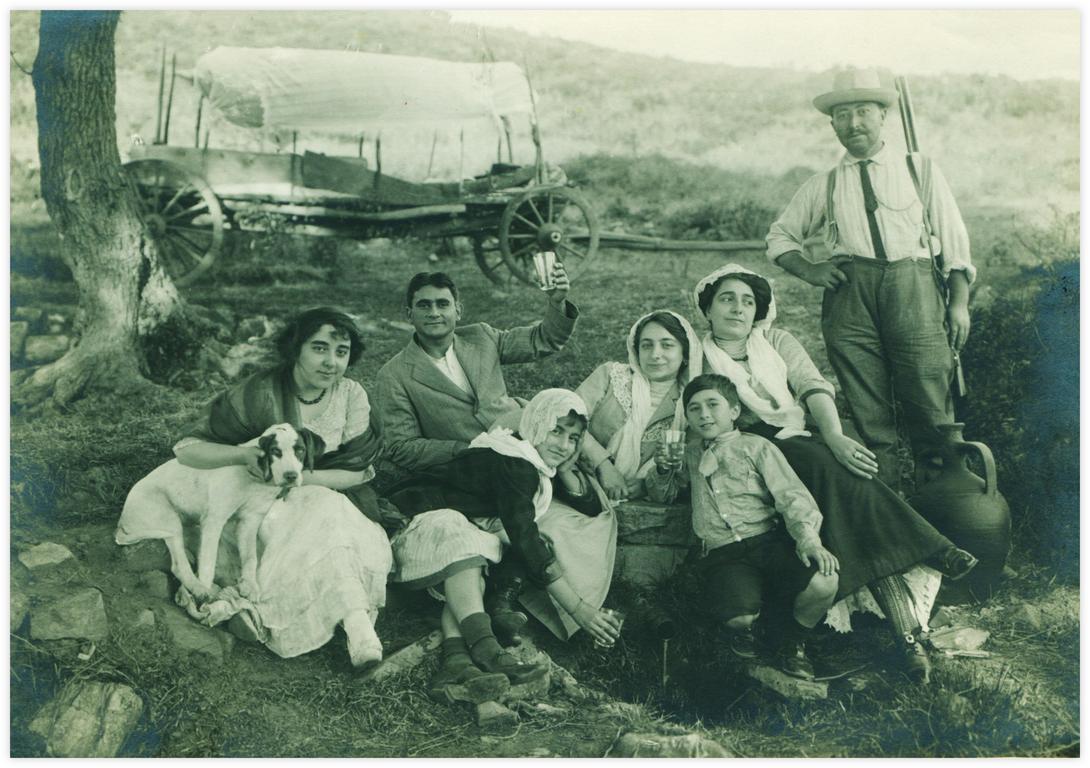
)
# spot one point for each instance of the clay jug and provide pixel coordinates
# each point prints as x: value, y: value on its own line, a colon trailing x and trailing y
x: 968, y: 509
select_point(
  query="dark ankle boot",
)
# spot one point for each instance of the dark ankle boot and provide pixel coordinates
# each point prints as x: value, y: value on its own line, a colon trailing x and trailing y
x: 459, y: 679
x: 502, y: 605
x: 490, y: 657
x: 917, y: 663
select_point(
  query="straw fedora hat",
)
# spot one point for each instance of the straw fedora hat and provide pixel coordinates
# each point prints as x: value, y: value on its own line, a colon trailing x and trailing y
x: 855, y: 85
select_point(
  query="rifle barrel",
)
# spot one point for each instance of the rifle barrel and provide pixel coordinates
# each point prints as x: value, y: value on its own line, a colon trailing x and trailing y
x: 906, y: 114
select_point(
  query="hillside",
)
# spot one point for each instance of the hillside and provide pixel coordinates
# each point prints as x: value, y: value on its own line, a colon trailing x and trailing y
x: 594, y: 100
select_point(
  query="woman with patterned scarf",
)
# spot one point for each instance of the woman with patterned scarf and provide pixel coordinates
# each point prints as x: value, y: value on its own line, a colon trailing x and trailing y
x: 633, y: 404
x: 497, y: 500
x: 881, y: 542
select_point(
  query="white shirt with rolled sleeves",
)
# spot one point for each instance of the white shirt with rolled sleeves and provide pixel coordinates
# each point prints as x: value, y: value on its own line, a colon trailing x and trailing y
x: 899, y: 215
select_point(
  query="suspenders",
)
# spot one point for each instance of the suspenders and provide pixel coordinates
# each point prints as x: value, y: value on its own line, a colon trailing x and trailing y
x: 921, y: 181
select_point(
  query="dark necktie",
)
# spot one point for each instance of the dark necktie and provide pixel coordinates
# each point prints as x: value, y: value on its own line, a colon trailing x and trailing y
x: 870, y: 202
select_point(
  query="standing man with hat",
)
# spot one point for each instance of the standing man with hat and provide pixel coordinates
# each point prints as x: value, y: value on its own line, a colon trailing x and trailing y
x: 887, y: 329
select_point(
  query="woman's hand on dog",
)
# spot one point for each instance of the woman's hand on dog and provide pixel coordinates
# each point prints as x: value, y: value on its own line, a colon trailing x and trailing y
x: 251, y: 456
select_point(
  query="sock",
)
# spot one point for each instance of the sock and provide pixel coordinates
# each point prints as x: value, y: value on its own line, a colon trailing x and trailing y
x: 477, y: 631
x: 891, y: 594
x: 455, y: 654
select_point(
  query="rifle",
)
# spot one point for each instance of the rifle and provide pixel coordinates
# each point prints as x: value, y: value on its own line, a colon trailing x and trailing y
x: 913, y: 146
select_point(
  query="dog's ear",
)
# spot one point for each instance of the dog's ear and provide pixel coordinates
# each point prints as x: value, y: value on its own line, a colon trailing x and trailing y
x: 264, y: 461
x: 313, y: 447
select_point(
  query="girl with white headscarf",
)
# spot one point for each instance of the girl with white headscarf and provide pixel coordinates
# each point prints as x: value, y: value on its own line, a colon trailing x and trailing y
x: 881, y: 542
x: 633, y: 404
x: 494, y: 501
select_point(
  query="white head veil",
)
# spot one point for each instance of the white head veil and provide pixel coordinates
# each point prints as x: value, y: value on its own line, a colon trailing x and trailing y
x: 766, y: 367
x: 624, y: 446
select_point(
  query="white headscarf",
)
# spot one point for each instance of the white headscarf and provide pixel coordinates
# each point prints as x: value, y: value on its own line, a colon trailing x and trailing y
x: 539, y: 417
x: 624, y: 446
x: 766, y: 367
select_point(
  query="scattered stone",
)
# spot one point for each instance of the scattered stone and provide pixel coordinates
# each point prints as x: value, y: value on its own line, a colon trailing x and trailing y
x: 45, y: 556
x: 540, y: 752
x: 529, y: 653
x: 542, y: 708
x: 956, y: 709
x: 569, y: 686
x: 253, y: 328
x: 148, y: 555
x: 658, y: 745
x: 155, y: 583
x: 495, y: 718
x: 80, y: 614
x: 145, y: 619
x: 89, y: 719
x: 19, y: 331
x: 54, y: 323
x: 406, y: 658
x: 643, y: 522
x: 943, y: 617
x: 1028, y: 615
x: 959, y: 638
x: 646, y: 564
x: 20, y: 606
x: 31, y: 315
x: 1009, y: 572
x: 190, y: 636
x: 787, y: 686
x: 38, y: 350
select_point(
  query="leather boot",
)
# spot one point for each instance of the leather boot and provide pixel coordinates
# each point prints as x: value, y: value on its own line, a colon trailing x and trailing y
x: 917, y: 663
x: 502, y: 605
x: 459, y: 679
x: 490, y: 657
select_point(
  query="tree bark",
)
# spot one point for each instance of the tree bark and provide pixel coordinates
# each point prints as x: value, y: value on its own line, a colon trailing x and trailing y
x: 123, y: 291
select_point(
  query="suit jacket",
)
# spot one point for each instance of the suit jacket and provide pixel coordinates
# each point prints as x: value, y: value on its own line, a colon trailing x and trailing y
x: 427, y: 419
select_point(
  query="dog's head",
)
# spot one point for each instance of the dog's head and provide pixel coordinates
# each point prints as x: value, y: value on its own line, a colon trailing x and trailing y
x: 283, y: 453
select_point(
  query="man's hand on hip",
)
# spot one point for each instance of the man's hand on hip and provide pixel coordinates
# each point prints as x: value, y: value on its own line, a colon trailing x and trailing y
x: 827, y: 274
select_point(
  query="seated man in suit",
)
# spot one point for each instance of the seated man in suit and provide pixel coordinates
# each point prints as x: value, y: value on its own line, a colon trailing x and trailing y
x: 446, y: 386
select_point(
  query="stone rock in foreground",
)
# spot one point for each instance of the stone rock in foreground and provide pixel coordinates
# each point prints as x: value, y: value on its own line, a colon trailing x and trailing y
x: 38, y: 350
x: 149, y: 555
x: 46, y: 555
x: 18, y: 331
x: 89, y: 719
x: 20, y: 606
x: 80, y: 614
x: 495, y: 718
x: 406, y: 658
x: 154, y: 583
x: 529, y: 653
x: 190, y: 636
x: 659, y: 745
x: 787, y: 686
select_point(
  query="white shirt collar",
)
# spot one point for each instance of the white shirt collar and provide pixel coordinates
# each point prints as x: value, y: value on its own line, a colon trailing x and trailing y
x: 881, y: 157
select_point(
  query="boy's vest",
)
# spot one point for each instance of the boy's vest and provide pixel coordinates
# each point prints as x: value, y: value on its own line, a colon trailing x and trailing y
x: 921, y: 181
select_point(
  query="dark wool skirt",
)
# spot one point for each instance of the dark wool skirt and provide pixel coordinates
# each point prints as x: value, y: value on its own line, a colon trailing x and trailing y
x: 871, y: 530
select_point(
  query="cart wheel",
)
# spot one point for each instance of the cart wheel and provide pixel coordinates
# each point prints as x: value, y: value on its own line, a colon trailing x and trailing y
x: 181, y: 213
x: 489, y: 257
x: 548, y: 219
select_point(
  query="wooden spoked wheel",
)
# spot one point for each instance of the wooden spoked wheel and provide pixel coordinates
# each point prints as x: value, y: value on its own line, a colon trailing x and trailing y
x: 555, y: 219
x: 489, y: 257
x: 181, y: 214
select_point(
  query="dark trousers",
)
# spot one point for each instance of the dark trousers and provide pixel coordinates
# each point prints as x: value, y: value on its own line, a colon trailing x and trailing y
x: 885, y: 333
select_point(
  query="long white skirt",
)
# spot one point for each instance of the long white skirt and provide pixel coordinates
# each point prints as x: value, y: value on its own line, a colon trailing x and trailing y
x: 320, y: 562
x: 585, y: 547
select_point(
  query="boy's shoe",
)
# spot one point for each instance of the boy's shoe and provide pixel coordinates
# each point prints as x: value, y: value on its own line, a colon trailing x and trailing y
x: 743, y: 644
x: 502, y: 605
x: 795, y: 662
x: 917, y: 663
x: 955, y: 563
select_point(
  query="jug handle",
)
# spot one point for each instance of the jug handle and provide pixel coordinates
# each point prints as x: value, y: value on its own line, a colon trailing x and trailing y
x: 989, y: 464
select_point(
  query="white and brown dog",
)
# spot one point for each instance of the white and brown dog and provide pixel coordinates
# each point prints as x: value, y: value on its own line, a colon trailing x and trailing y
x: 173, y: 493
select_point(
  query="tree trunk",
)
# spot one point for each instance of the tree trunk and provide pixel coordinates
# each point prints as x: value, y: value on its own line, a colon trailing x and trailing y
x: 123, y: 290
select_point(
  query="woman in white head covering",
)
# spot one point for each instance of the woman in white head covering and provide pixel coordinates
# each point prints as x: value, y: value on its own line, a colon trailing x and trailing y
x: 880, y: 541
x: 492, y: 501
x: 632, y: 405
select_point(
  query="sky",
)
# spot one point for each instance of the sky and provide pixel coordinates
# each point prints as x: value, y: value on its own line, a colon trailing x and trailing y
x: 1025, y: 45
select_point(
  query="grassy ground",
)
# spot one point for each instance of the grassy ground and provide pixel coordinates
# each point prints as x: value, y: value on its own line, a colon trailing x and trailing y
x: 70, y: 474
